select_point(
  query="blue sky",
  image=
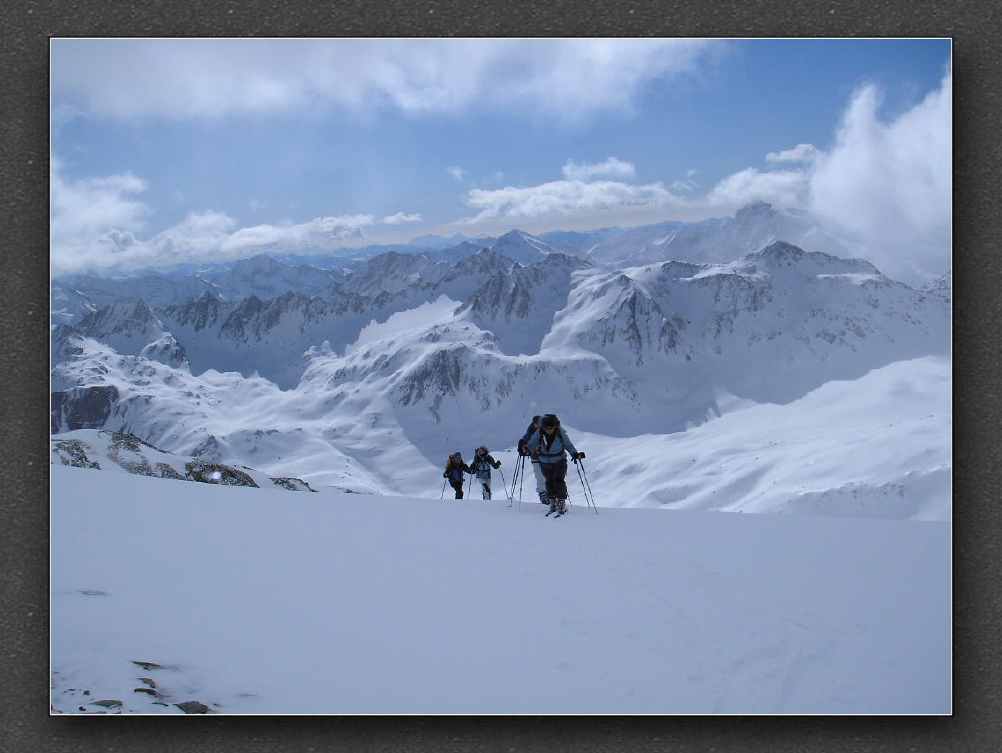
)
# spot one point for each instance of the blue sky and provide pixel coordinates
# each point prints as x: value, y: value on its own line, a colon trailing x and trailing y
x: 279, y: 134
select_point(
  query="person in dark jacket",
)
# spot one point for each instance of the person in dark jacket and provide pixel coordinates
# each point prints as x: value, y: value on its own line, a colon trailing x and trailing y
x: 549, y: 444
x: 454, y: 470
x: 481, y: 468
x: 536, y: 470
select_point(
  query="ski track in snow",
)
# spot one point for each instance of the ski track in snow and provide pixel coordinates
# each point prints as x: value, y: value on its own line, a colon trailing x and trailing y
x: 266, y: 601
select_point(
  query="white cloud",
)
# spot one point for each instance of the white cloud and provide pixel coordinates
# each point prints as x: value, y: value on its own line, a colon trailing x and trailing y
x: 782, y: 188
x: 799, y: 153
x: 201, y: 78
x: 888, y: 185
x: 571, y: 201
x: 318, y: 233
x: 83, y: 208
x: 456, y: 172
x: 686, y: 185
x: 96, y: 224
x: 884, y: 187
x: 611, y: 167
x: 95, y: 216
x: 401, y: 217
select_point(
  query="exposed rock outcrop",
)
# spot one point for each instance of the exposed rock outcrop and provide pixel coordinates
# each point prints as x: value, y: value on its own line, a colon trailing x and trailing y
x: 82, y: 407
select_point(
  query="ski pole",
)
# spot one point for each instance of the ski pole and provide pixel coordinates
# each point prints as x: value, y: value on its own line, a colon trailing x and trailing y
x: 586, y: 487
x: 520, y: 481
x: 519, y: 470
x: 504, y: 484
x: 591, y: 494
x: 442, y: 495
x: 521, y: 478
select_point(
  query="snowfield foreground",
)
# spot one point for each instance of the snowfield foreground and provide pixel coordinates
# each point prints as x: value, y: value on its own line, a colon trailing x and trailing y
x: 259, y: 601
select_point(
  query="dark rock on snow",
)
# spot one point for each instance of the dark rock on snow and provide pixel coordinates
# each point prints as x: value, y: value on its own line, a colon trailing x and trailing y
x: 193, y: 707
x: 73, y: 452
x: 293, y: 484
x: 217, y: 473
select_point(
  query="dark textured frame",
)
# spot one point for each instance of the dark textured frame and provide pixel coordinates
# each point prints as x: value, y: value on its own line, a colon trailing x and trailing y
x: 26, y: 26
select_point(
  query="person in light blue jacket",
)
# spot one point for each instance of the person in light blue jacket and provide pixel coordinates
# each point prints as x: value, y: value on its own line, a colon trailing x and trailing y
x: 549, y: 445
x: 523, y: 449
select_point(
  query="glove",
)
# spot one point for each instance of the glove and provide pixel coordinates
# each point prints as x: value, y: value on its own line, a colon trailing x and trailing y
x: 445, y: 475
x: 522, y: 447
x: 497, y: 464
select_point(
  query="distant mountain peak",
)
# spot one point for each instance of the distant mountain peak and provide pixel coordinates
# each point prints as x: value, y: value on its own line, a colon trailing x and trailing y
x: 755, y: 210
x: 783, y: 254
x: 780, y: 250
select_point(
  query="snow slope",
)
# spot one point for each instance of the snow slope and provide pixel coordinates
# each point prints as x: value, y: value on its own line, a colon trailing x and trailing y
x: 874, y: 446
x: 878, y: 446
x: 258, y: 601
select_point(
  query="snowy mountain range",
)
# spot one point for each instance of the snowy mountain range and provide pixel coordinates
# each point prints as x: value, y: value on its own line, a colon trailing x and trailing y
x: 312, y: 273
x: 366, y: 377
x: 714, y: 240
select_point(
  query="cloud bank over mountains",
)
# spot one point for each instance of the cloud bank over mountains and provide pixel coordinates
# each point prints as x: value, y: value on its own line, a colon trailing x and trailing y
x: 883, y: 185
x: 98, y: 224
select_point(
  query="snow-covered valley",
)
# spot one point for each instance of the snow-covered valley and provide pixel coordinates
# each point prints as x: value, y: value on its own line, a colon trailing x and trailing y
x: 262, y: 601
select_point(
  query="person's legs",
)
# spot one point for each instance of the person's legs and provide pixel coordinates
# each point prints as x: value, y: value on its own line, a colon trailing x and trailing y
x: 556, y: 487
x: 458, y: 486
x: 486, y: 489
x: 540, y: 483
